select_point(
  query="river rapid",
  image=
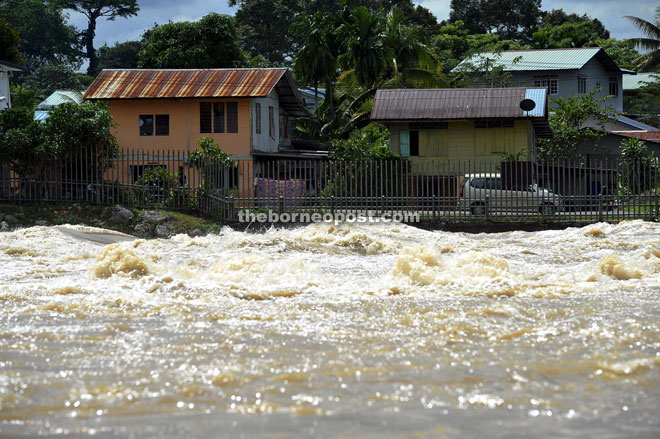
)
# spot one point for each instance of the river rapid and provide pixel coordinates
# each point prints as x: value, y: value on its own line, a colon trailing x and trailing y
x: 332, y: 331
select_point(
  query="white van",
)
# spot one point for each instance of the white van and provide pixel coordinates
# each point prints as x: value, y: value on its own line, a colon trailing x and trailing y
x: 483, y: 194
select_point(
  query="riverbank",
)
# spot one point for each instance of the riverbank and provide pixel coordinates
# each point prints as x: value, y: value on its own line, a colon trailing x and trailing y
x: 152, y: 223
x: 137, y: 222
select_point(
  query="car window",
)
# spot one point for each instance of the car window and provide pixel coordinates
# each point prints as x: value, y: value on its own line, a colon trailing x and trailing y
x: 493, y: 183
x: 478, y: 183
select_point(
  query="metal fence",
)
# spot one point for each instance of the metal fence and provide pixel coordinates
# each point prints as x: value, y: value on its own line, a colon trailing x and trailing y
x: 251, y: 190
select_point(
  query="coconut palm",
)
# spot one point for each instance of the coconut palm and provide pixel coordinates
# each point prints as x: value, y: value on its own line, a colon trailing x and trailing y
x: 650, y: 61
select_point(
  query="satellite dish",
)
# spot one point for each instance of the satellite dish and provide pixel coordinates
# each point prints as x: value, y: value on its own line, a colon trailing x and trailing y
x: 527, y: 104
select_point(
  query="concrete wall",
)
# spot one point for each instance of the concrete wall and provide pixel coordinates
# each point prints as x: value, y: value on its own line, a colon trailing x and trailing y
x: 4, y: 90
x: 596, y: 76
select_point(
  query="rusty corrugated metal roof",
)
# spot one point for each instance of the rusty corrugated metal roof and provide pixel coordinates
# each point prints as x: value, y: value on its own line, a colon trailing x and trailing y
x: 649, y: 136
x: 179, y: 84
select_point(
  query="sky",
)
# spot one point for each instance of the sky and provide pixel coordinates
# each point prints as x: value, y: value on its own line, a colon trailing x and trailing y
x: 610, y: 12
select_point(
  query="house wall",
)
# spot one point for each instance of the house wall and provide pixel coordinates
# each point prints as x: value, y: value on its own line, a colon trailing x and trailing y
x: 4, y: 90
x: 461, y: 141
x: 264, y: 142
x: 606, y: 152
x: 184, y: 125
x: 567, y: 81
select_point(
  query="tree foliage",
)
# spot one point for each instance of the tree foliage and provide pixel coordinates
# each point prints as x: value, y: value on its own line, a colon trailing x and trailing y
x: 210, y: 42
x: 9, y: 41
x: 622, y: 52
x: 46, y: 37
x: 23, y: 97
x: 454, y: 43
x: 93, y: 10
x: 370, y: 142
x: 264, y: 25
x: 50, y: 77
x: 558, y: 17
x: 650, y: 44
x: 566, y: 35
x: 354, y: 52
x: 209, y: 149
x: 84, y: 130
x: 568, y: 125
x: 121, y: 55
x: 646, y: 102
x: 640, y: 169
x: 509, y: 19
x: 23, y: 141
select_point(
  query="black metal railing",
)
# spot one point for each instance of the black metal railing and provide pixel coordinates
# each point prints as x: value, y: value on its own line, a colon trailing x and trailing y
x: 425, y: 190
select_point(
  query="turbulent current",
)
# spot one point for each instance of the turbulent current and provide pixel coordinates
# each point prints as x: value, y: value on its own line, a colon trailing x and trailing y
x: 332, y: 331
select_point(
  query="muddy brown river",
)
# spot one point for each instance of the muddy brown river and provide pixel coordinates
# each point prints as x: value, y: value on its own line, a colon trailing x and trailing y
x: 358, y: 331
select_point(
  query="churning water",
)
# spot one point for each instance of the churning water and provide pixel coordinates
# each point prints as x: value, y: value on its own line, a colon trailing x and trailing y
x: 326, y: 331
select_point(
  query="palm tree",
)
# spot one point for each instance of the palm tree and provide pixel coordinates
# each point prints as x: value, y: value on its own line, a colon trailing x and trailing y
x: 365, y: 53
x: 316, y: 60
x: 411, y: 63
x: 650, y: 61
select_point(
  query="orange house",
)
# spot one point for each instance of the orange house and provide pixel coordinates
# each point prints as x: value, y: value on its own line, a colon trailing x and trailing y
x: 247, y: 111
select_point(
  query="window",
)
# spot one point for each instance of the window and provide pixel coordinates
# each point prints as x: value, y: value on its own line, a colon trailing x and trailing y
x: 597, y: 86
x: 614, y: 87
x: 257, y: 118
x: 271, y: 122
x: 232, y: 117
x: 205, y: 111
x: 582, y: 84
x: 162, y: 124
x: 218, y: 117
x: 551, y: 84
x: 146, y: 125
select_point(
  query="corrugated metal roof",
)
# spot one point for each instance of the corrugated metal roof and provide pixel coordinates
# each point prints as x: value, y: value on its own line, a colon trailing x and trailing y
x: 634, y: 124
x: 41, y: 116
x: 172, y: 84
x: 524, y: 60
x: 540, y: 97
x: 649, y: 136
x: 455, y: 103
x: 634, y: 82
x: 438, y: 104
x: 59, y: 97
